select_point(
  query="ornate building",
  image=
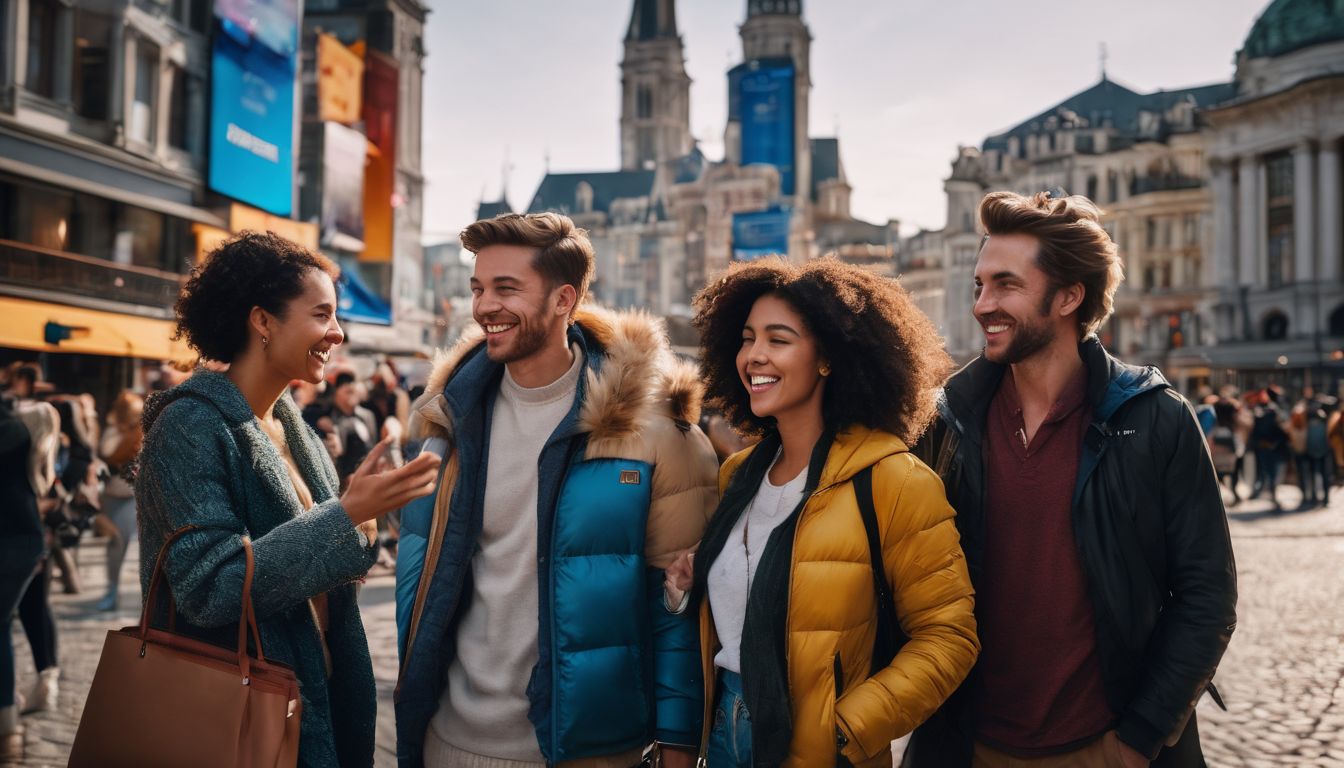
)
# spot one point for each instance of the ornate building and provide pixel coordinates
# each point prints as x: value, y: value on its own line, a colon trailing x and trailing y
x: 663, y: 223
x: 1278, y: 266
x: 1141, y: 158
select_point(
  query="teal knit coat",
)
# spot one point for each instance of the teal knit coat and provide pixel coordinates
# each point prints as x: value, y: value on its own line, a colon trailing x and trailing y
x: 206, y: 462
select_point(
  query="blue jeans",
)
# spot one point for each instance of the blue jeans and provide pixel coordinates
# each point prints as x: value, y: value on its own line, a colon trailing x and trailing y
x: 730, y: 740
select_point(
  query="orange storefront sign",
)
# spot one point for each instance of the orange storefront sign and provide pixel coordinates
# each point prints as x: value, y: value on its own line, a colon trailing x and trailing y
x: 340, y: 79
x: 244, y: 217
x: 380, y: 172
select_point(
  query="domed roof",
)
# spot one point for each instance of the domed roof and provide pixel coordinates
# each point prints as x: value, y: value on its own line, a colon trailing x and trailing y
x: 1290, y: 25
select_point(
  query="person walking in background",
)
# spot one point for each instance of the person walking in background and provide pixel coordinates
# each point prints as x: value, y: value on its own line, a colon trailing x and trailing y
x: 1269, y: 441
x: 49, y: 460
x: 27, y: 458
x: 1317, y: 472
x: 1225, y: 446
x: 1094, y: 528
x: 530, y: 616
x: 119, y: 444
x: 354, y: 425
x: 1296, y: 428
x: 229, y: 455
x: 837, y: 369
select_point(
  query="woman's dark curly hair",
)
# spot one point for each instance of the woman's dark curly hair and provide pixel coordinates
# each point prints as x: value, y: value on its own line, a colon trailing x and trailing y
x: 886, y: 358
x: 254, y: 269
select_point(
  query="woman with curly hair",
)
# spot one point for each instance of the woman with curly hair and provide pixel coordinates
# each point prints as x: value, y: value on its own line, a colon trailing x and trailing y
x: 837, y: 370
x: 228, y: 453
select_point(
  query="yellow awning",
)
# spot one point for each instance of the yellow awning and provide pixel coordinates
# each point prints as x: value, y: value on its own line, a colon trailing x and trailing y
x: 23, y: 324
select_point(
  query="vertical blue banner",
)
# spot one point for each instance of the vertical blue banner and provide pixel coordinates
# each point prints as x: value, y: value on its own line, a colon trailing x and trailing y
x: 761, y: 233
x: 251, y: 121
x: 766, y: 94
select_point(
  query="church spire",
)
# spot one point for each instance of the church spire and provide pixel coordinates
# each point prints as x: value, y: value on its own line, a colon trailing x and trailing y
x: 774, y: 8
x: 652, y: 19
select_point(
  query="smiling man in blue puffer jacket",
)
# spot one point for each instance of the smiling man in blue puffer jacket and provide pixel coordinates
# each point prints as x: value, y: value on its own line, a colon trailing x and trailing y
x: 530, y: 611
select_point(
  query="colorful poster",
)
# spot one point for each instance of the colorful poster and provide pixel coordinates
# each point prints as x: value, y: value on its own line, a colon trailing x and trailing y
x: 251, y: 121
x: 765, y: 100
x: 273, y: 23
x: 761, y: 233
x: 343, y: 152
x: 380, y: 122
x: 340, y: 81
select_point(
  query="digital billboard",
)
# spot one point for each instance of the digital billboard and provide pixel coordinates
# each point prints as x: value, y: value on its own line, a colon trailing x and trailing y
x: 381, y: 77
x: 761, y: 233
x: 273, y: 23
x: 251, y: 121
x: 343, y: 151
x: 765, y: 103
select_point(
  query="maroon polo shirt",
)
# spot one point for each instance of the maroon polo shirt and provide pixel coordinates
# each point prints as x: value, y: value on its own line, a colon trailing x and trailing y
x: 1043, y: 691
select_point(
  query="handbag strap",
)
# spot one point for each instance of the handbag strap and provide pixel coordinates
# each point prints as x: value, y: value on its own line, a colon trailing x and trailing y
x: 889, y: 627
x: 247, y: 620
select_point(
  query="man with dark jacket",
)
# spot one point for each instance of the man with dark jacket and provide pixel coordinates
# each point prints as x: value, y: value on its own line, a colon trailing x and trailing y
x: 1089, y: 512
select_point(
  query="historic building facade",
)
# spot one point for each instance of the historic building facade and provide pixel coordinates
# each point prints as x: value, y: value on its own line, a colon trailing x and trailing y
x: 664, y: 223
x: 1274, y: 156
x: 1224, y: 200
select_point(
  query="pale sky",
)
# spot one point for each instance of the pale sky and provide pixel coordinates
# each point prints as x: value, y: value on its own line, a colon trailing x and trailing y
x: 903, y: 81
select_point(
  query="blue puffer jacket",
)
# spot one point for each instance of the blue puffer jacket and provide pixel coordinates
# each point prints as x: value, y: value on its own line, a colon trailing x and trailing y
x: 626, y: 481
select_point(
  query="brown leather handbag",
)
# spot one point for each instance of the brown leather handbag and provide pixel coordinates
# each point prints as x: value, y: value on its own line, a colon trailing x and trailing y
x: 163, y: 699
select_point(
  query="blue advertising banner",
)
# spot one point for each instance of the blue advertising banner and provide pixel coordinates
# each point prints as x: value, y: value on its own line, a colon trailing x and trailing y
x: 761, y: 233
x: 251, y: 121
x: 765, y: 98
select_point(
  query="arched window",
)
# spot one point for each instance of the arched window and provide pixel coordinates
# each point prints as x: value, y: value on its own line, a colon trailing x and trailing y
x: 1274, y: 326
x: 643, y: 102
x: 583, y: 197
x: 1337, y: 321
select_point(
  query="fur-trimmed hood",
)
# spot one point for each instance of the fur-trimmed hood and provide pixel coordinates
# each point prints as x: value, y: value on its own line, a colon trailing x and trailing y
x: 637, y: 379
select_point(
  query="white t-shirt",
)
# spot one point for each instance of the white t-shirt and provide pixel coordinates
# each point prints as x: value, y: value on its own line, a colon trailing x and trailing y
x: 735, y: 567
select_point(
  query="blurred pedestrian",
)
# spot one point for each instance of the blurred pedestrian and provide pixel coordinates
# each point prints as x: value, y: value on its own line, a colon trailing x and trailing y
x: 1269, y: 441
x: 1296, y: 427
x: 1319, y: 466
x: 229, y: 455
x: 27, y: 448
x: 354, y: 425
x: 1094, y: 526
x: 1335, y: 430
x: 1225, y: 446
x: 120, y: 443
x: 836, y: 369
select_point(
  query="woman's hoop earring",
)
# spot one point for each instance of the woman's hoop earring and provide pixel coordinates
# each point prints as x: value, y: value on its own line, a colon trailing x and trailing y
x: 265, y: 341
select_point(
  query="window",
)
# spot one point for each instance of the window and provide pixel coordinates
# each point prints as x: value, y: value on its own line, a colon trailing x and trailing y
x: 192, y: 14
x: 1112, y: 187
x: 1092, y: 187
x: 1191, y: 229
x: 91, y: 65
x: 1152, y: 233
x: 643, y: 103
x: 141, y: 123
x: 178, y: 107
x: 40, y: 77
x: 1279, y: 171
x: 1274, y: 327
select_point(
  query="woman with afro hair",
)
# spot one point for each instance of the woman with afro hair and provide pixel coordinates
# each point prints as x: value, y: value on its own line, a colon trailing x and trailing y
x: 837, y: 371
x: 229, y: 463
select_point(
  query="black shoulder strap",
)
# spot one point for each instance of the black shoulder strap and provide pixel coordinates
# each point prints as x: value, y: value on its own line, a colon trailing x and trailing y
x: 890, y: 638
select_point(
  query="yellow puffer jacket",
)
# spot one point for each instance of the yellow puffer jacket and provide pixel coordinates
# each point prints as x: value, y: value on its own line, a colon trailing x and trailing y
x: 832, y: 609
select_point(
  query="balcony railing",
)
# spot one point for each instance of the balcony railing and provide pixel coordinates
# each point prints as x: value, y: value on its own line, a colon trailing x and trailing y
x: 45, y: 269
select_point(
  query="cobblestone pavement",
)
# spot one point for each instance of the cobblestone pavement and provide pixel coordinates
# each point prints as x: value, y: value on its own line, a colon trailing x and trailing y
x: 1282, y: 678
